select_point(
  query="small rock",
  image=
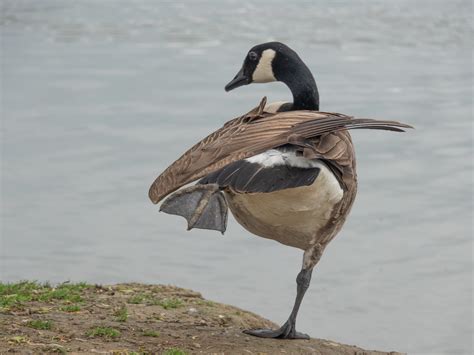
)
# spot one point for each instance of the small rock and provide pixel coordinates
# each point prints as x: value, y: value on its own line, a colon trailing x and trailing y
x: 223, y: 319
x: 192, y: 311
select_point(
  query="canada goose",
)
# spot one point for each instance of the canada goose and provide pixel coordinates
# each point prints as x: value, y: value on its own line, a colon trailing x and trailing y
x: 286, y: 171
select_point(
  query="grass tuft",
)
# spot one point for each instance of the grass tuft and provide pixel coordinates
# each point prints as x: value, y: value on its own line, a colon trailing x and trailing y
x: 58, y: 349
x: 175, y: 351
x: 121, y: 314
x: 19, y: 339
x: 206, y: 303
x: 40, y: 324
x: 149, y: 299
x: 150, y: 333
x: 170, y: 303
x: 103, y: 332
x: 15, y: 295
x: 136, y: 299
x: 70, y: 308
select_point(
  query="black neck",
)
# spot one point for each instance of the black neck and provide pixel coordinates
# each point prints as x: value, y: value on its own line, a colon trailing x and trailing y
x: 301, y: 82
x: 304, y: 90
x: 305, y: 95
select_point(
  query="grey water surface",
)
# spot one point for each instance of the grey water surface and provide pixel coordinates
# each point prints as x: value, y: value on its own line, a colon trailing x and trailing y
x: 98, y: 97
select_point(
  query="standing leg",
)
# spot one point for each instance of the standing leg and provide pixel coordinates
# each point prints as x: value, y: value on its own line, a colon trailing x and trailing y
x: 288, y: 329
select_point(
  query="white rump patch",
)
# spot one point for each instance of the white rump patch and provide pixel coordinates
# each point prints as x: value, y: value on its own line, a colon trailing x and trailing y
x: 263, y: 73
x: 273, y: 157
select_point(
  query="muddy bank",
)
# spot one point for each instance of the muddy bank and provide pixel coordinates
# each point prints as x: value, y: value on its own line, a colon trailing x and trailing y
x: 136, y: 319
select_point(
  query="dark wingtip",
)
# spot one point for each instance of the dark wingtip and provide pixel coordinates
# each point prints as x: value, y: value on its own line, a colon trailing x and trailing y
x: 390, y: 122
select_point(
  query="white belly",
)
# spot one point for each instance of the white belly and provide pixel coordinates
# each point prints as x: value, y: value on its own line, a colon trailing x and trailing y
x: 292, y: 216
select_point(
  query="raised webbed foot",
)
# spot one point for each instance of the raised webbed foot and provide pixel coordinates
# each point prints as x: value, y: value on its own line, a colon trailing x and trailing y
x: 286, y: 331
x: 203, y: 206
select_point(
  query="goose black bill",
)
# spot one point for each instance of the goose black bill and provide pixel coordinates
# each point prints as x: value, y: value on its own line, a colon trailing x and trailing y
x: 239, y: 80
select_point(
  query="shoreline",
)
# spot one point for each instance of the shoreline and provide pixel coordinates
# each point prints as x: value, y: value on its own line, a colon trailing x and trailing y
x: 137, y: 319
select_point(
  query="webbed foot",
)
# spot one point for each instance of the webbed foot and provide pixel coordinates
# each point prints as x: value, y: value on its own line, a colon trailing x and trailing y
x: 203, y: 206
x: 286, y: 331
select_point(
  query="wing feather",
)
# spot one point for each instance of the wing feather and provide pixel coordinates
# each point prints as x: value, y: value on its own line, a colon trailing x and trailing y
x: 252, y: 134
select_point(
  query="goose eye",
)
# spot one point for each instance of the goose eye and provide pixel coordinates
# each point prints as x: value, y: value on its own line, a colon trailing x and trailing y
x: 253, y: 56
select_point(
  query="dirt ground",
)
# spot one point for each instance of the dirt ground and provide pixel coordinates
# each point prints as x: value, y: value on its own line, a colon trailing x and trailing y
x: 136, y: 319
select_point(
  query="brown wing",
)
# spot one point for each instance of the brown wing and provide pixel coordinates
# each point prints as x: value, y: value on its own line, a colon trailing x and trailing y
x: 251, y: 134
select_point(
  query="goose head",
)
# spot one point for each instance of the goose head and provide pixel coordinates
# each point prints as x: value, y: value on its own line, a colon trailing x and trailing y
x: 275, y: 61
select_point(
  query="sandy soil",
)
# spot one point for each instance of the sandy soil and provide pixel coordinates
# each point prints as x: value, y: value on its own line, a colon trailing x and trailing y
x: 143, y: 319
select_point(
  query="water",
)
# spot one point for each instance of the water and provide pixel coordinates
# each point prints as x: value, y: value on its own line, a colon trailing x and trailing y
x: 99, y: 97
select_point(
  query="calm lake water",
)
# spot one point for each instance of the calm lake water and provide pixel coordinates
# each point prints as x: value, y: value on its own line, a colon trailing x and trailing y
x: 99, y: 97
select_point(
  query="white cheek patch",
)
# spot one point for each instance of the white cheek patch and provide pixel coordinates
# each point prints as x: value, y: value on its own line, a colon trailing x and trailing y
x: 263, y: 73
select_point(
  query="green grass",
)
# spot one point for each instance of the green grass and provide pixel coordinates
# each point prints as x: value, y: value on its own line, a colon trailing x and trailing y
x: 58, y: 349
x: 19, y: 339
x: 206, y: 303
x: 60, y: 294
x: 40, y: 324
x: 170, y: 303
x: 103, y: 332
x: 15, y: 295
x: 137, y: 299
x: 121, y: 314
x: 70, y: 308
x: 149, y: 299
x: 175, y: 351
x: 151, y: 333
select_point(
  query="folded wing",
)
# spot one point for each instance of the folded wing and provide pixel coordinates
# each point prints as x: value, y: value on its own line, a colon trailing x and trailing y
x: 252, y: 134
